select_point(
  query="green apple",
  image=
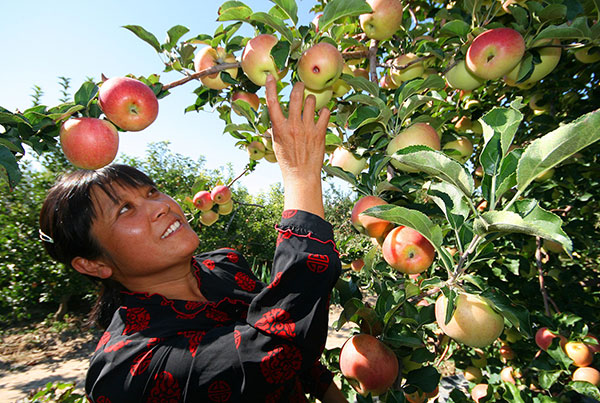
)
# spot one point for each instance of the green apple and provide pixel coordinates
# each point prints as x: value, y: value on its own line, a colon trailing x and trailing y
x: 460, y: 149
x: 209, y: 217
x: 209, y: 57
x: 256, y: 150
x: 417, y: 134
x: 549, y: 56
x: 270, y: 157
x: 589, y: 54
x: 226, y: 208
x: 341, y: 87
x: 320, y: 66
x: 322, y: 96
x: 399, y: 75
x: 257, y: 62
x: 461, y: 78
x: 384, y: 21
x: 538, y: 104
x: 495, y: 52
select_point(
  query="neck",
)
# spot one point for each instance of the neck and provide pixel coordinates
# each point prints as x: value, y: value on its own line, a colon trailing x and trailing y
x: 183, y: 287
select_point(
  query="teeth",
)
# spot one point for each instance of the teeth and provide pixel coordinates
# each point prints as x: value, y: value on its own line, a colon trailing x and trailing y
x: 171, y: 228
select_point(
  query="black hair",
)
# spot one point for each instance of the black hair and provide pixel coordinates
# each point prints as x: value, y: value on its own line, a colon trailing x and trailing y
x: 66, y: 220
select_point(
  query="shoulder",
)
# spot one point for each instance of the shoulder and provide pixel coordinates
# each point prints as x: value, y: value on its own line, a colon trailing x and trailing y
x: 223, y: 258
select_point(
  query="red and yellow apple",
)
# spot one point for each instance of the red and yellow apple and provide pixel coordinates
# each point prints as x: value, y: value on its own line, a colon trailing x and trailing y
x: 203, y: 201
x: 371, y: 226
x: 320, y: 66
x: 248, y: 97
x: 461, y: 78
x: 257, y: 62
x: 506, y: 374
x: 544, y: 337
x: 495, y: 52
x: 460, y: 149
x: 384, y: 21
x: 128, y: 103
x: 417, y: 134
x: 369, y: 365
x: 506, y: 352
x: 209, y: 217
x: 473, y: 374
x: 386, y: 82
x: 474, y: 322
x: 357, y: 265
x: 89, y: 143
x: 209, y: 57
x: 401, y: 74
x: 479, y: 391
x: 579, y: 352
x: 220, y: 194
x: 407, y: 251
x: 348, y: 161
x: 587, y: 374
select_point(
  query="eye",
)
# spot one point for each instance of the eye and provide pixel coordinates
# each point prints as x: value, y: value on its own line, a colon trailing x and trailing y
x: 153, y: 191
x: 124, y: 208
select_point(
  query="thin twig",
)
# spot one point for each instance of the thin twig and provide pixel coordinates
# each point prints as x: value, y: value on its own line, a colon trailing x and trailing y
x: 538, y: 261
x: 460, y: 267
x: 203, y: 73
x: 238, y: 177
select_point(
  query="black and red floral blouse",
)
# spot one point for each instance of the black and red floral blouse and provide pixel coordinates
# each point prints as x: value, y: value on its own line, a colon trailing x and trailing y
x: 251, y: 342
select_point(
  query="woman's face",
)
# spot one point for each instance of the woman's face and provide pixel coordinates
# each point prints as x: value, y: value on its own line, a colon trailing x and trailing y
x: 144, y: 233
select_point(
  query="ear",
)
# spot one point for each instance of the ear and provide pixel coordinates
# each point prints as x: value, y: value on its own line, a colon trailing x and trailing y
x: 95, y: 268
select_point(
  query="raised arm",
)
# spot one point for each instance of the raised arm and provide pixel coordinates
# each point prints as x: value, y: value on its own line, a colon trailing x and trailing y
x: 299, y: 145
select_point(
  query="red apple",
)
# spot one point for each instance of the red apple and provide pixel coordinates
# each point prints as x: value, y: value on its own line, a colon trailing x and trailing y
x: 460, y: 77
x: 257, y: 62
x: 128, y: 103
x: 346, y: 160
x: 220, y: 194
x: 479, y: 392
x: 89, y: 143
x: 587, y: 374
x: 209, y: 217
x: 495, y: 53
x: 407, y: 251
x: 357, y: 264
x: 594, y: 347
x: 506, y: 352
x: 417, y: 134
x: 369, y: 365
x: 384, y: 21
x: 320, y: 66
x: 473, y: 323
x: 248, y: 97
x: 415, y: 70
x: 203, y: 201
x: 371, y: 226
x: 579, y: 352
x: 209, y: 57
x: 415, y: 397
x: 544, y: 337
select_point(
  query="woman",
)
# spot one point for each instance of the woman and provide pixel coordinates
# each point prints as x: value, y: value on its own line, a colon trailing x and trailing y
x: 201, y: 328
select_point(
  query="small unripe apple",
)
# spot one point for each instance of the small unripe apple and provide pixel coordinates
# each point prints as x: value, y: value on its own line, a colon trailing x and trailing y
x: 322, y: 97
x: 587, y: 374
x: 203, y: 201
x: 209, y: 217
x: 270, y: 157
x: 460, y: 149
x: 417, y: 134
x: 461, y: 78
x: 415, y: 70
x: 407, y: 251
x: 384, y: 21
x: 341, y: 87
x: 257, y: 62
x: 346, y: 160
x: 225, y: 208
x: 128, y: 103
x: 464, y: 123
x: 579, y: 352
x: 495, y: 52
x: 473, y: 323
x: 256, y: 150
x: 589, y: 54
x: 371, y: 226
x: 209, y: 57
x: 368, y: 364
x: 473, y: 374
x: 320, y: 66
x: 248, y: 97
x: 89, y: 143
x: 538, y: 104
x: 221, y: 194
x: 415, y: 397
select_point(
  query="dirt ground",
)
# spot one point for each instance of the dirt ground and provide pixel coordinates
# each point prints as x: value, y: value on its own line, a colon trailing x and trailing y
x: 35, y: 355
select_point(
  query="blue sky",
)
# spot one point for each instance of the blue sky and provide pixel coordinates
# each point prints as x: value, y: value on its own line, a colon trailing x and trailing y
x: 79, y: 39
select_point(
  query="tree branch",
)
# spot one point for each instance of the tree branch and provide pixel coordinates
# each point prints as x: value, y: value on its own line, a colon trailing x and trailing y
x: 373, y: 60
x: 203, y: 73
x: 538, y: 261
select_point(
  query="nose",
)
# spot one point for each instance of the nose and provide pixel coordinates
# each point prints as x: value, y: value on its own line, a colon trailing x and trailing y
x: 159, y: 208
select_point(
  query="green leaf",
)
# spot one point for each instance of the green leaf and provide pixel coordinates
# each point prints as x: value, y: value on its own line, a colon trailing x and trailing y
x: 412, y: 87
x: 66, y: 114
x: 234, y: 10
x: 437, y: 164
x: 450, y: 303
x: 516, y: 314
x: 340, y: 173
x: 280, y: 53
x: 144, y: 35
x: 507, y: 177
x: 9, y: 162
x: 556, y: 146
x: 556, y: 351
x: 548, y: 378
x: 426, y: 378
x: 412, y: 104
x: 12, y: 119
x: 336, y: 9
x: 385, y: 113
x: 275, y: 23
x: 174, y: 34
x: 499, y: 128
x: 455, y: 28
x: 585, y: 388
x: 512, y: 393
x: 553, y: 12
x: 290, y: 8
x: 451, y: 201
x: 361, y: 84
x: 86, y: 93
x: 562, y: 31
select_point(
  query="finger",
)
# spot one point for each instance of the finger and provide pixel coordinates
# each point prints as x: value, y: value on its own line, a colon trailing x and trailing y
x: 323, y: 121
x: 273, y: 105
x: 296, y: 98
x: 309, y: 109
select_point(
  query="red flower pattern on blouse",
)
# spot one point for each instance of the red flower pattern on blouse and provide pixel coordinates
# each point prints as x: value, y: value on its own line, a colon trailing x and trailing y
x: 166, y: 389
x: 317, y: 263
x: 102, y: 399
x: 210, y: 264
x: 281, y: 364
x: 216, y: 315
x: 275, y: 281
x: 194, y: 339
x: 136, y: 320
x: 244, y: 281
x: 237, y: 338
x: 192, y: 305
x: 219, y: 391
x: 289, y: 213
x: 141, y: 363
x: 277, y: 322
x: 233, y: 257
x: 103, y: 340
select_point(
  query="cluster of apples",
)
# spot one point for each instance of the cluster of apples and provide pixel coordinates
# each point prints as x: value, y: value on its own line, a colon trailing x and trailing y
x: 213, y: 204
x: 91, y: 143
x: 263, y: 148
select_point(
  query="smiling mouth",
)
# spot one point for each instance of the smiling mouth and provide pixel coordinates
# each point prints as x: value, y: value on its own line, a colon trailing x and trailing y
x: 172, y: 228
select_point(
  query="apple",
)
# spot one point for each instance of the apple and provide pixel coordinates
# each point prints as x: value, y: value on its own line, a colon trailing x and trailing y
x: 594, y: 347
x: 473, y: 323
x: 405, y: 74
x: 89, y: 143
x: 587, y: 374
x: 473, y: 374
x: 320, y: 66
x: 589, y: 54
x: 270, y: 156
x: 461, y: 78
x: 341, y: 87
x: 506, y: 352
x: 257, y: 62
x: 128, y: 103
x: 209, y: 57
x: 407, y: 251
x: 369, y: 365
x: 538, y: 104
x: 357, y: 264
x: 549, y: 56
x: 544, y: 176
x: 248, y: 97
x: 386, y: 82
x: 409, y: 365
x: 460, y: 149
x: 480, y: 361
x: 464, y: 123
x: 370, y: 323
x: 256, y: 149
x: 203, y: 201
x: 346, y: 160
x: 479, y: 391
x: 506, y: 374
x: 361, y: 72
x: 225, y: 208
x: 322, y: 97
x: 220, y: 194
x: 415, y: 397
x: 544, y: 337
x: 384, y: 21
x: 209, y: 217
x: 417, y: 134
x: 476, y: 128
x: 511, y: 335
x: 371, y: 226
x: 495, y: 52
x: 580, y: 353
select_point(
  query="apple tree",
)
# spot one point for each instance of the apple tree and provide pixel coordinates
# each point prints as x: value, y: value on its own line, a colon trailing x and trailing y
x: 476, y: 125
